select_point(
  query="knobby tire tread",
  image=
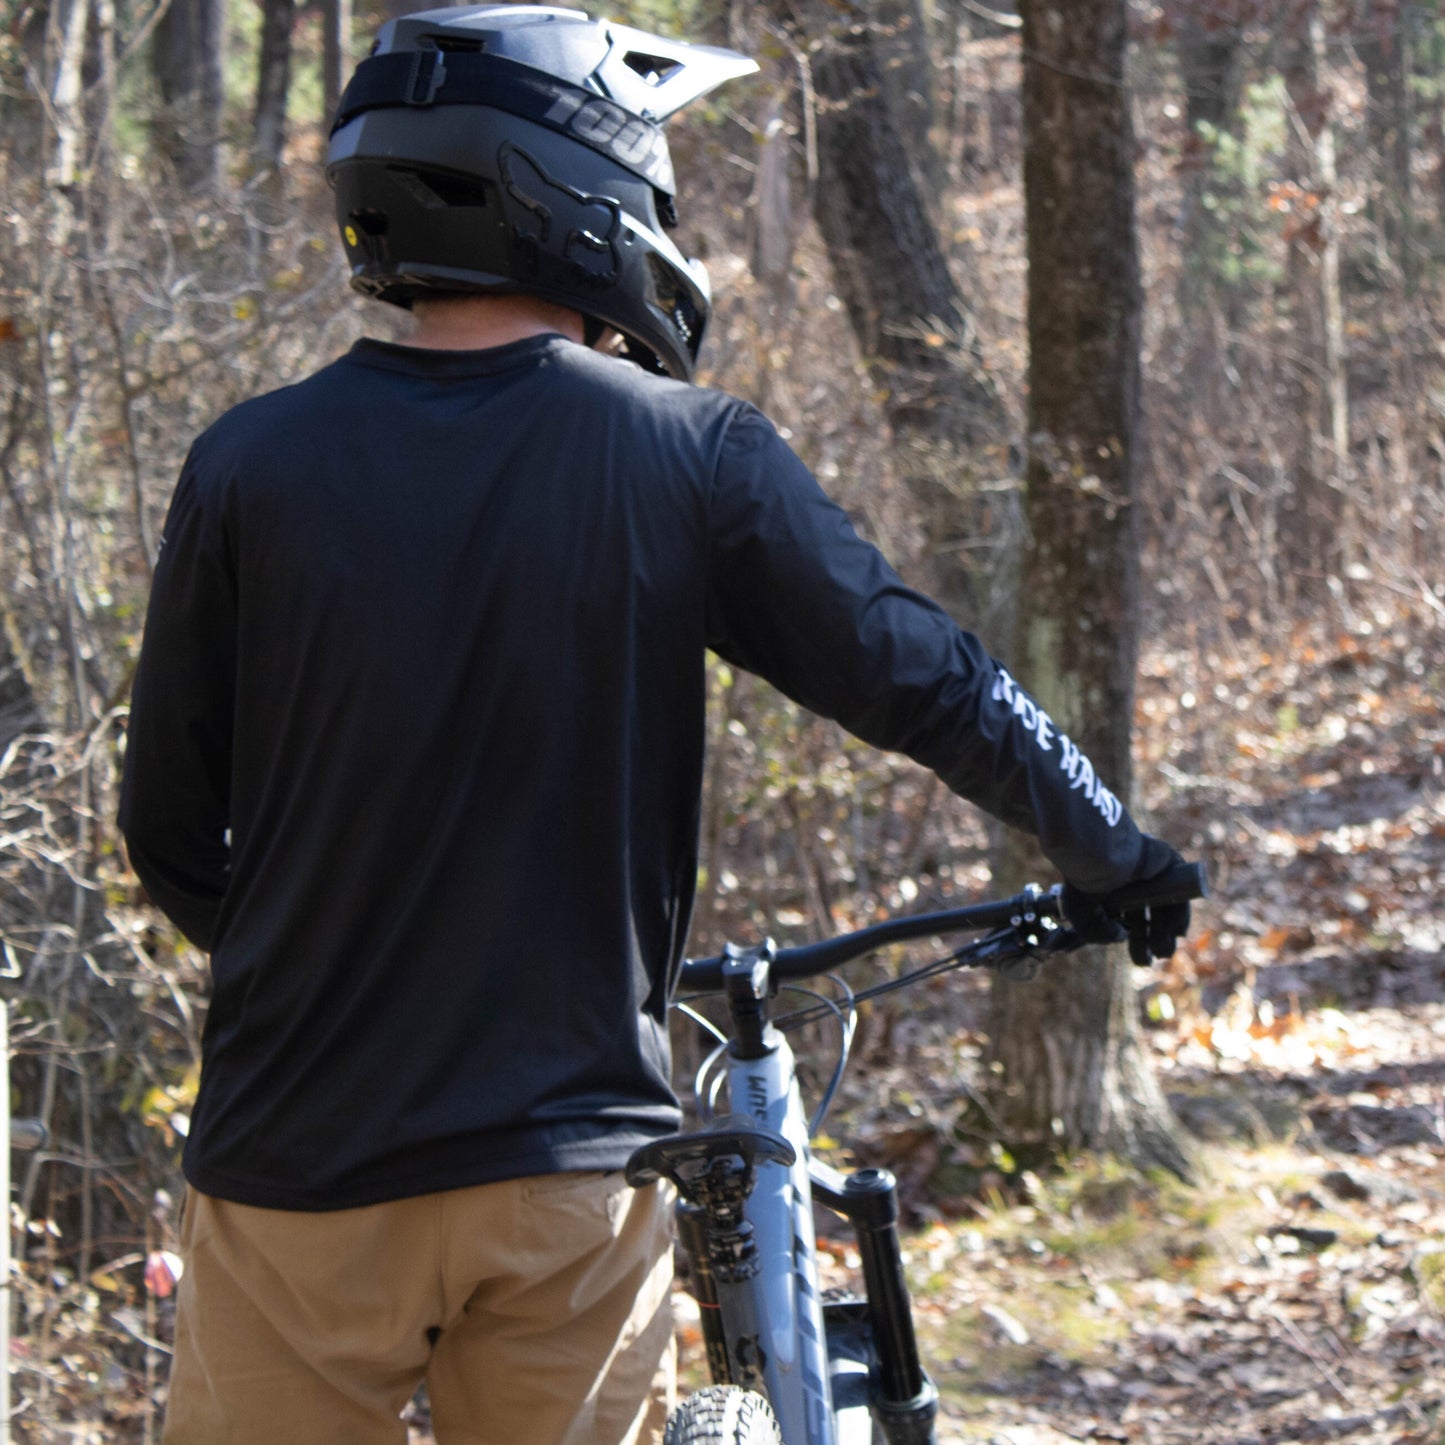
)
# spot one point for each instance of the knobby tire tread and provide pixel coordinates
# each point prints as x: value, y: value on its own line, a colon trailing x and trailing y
x: 723, y: 1415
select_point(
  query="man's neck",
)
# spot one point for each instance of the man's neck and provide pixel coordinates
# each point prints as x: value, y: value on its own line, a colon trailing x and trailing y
x: 475, y: 323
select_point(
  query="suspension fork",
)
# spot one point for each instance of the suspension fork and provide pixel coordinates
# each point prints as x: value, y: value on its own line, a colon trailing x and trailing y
x: 904, y: 1399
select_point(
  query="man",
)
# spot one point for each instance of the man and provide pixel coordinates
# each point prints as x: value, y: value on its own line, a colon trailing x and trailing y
x: 416, y: 751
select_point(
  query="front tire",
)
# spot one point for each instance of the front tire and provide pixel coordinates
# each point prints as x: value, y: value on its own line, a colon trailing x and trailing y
x: 723, y: 1415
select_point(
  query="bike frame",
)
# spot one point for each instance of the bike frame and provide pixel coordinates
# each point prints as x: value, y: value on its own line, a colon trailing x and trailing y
x: 834, y: 1372
x: 794, y: 1349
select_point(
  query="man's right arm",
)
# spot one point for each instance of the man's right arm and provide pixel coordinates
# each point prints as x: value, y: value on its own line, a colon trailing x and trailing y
x: 798, y: 597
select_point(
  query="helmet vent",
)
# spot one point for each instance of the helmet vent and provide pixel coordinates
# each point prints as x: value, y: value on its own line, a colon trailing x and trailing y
x: 674, y: 303
x: 455, y: 44
x: 654, y: 69
x: 440, y: 189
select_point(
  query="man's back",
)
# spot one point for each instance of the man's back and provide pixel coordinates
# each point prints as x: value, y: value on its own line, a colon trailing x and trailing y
x: 469, y: 622
x: 445, y: 615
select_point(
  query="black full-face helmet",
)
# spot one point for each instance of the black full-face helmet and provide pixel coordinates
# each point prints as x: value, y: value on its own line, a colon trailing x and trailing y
x: 519, y: 148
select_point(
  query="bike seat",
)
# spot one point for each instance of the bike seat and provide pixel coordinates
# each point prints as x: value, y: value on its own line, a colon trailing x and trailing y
x: 683, y: 1158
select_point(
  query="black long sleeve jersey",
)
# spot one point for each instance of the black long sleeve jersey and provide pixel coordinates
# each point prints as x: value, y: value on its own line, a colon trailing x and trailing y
x: 417, y: 742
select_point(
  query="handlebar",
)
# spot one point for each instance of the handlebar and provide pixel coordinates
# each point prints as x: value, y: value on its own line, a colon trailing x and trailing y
x: 1179, y: 884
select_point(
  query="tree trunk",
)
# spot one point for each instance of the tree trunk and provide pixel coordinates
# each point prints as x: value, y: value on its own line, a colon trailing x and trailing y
x: 899, y: 29
x: 1326, y: 526
x: 189, y: 58
x: 1065, y: 1054
x: 273, y: 82
x: 102, y: 101
x: 71, y: 21
x: 335, y: 55
x: 1209, y: 45
x: 912, y: 324
x: 1385, y: 48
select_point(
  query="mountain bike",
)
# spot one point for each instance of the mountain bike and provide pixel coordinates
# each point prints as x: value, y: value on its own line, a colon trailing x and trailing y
x: 790, y: 1366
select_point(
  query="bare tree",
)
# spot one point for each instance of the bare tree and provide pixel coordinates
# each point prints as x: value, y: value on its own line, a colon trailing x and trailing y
x: 70, y: 22
x: 1209, y: 40
x: 335, y: 54
x: 273, y: 81
x: 1067, y: 1064
x: 1324, y: 525
x: 1386, y: 45
x: 189, y: 59
x: 912, y: 323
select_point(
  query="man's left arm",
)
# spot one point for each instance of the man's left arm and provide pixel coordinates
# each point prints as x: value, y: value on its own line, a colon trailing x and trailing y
x: 175, y: 793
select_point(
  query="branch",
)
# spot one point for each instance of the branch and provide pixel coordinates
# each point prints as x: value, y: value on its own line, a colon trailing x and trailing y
x: 994, y: 17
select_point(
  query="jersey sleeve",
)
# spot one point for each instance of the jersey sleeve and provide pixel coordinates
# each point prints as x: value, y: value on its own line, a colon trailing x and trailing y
x: 795, y: 595
x: 175, y: 790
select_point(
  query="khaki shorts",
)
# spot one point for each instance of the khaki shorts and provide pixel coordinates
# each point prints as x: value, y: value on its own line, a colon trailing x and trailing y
x: 537, y: 1311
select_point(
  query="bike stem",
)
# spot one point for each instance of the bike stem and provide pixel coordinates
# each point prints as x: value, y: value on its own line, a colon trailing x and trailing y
x: 748, y: 984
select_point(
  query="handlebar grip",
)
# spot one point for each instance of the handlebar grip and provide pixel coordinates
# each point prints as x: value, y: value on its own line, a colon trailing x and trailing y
x: 1179, y: 884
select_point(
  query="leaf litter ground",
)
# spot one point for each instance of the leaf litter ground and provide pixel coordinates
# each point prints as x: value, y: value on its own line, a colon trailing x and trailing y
x: 1297, y: 1293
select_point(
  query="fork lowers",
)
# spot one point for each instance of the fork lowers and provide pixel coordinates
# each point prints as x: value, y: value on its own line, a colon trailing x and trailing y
x: 905, y: 1403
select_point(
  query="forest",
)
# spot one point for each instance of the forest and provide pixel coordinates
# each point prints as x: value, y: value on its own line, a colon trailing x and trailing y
x: 1119, y: 325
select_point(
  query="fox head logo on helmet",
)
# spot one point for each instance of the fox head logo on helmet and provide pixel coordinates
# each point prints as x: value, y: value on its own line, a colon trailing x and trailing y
x: 552, y: 220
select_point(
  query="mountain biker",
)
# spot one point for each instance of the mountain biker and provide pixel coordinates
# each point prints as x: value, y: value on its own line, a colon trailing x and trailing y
x: 416, y: 750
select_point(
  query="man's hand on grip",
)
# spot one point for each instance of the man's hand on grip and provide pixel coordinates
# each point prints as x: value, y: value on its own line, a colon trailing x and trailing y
x: 1152, y: 932
x: 1089, y: 917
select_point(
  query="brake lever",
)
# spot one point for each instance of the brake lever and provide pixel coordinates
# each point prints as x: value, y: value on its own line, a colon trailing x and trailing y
x: 1017, y: 951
